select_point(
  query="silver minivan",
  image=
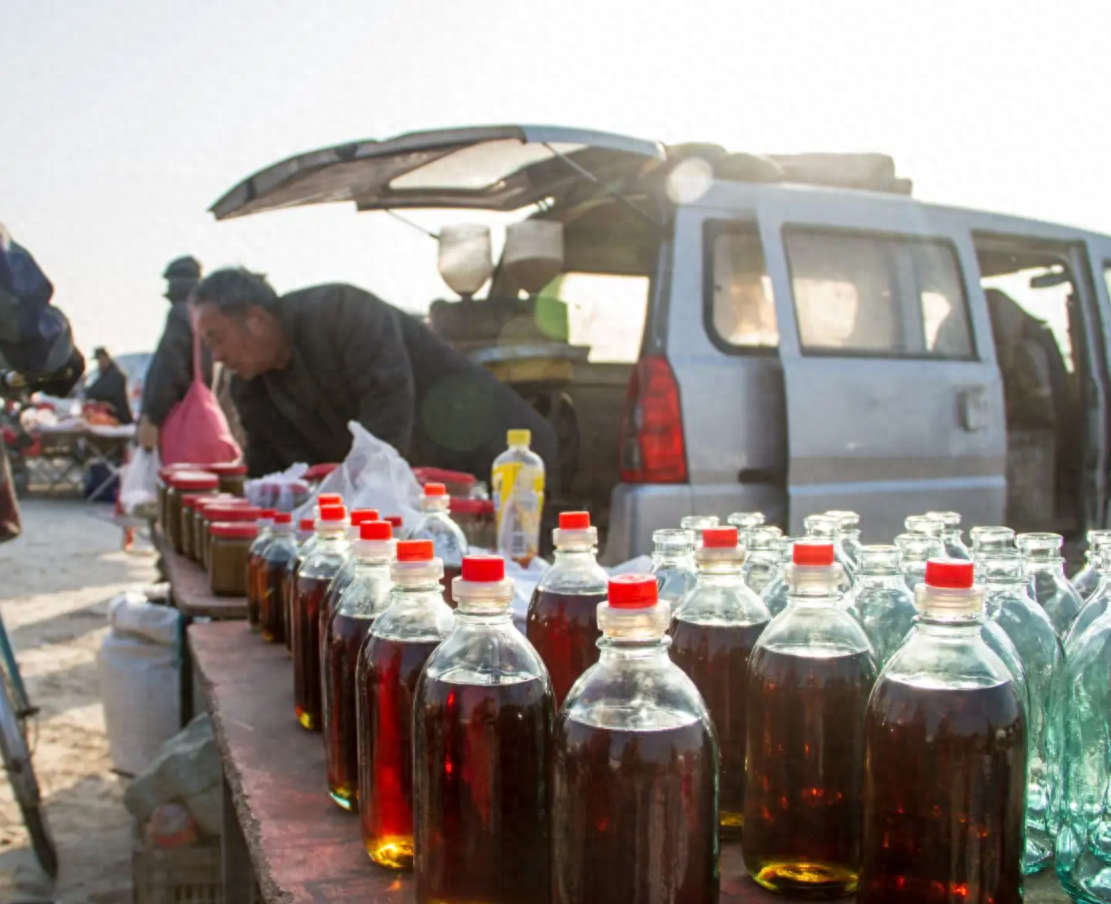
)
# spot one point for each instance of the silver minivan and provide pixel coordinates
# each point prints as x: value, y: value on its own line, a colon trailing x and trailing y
x: 790, y: 334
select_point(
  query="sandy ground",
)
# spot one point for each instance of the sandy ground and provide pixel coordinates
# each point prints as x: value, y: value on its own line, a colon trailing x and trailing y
x: 55, y: 583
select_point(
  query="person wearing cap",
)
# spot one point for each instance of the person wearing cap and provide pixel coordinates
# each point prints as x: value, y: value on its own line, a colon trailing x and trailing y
x: 309, y: 362
x: 110, y: 387
x: 171, y: 368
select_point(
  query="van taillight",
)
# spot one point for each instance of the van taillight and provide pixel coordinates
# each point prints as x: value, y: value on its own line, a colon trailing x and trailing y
x: 652, y: 446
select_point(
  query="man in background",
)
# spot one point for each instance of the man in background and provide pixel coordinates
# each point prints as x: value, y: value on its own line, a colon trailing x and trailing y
x: 171, y: 368
x: 110, y: 387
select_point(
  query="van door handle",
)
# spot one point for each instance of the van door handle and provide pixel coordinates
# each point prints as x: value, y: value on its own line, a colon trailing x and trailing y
x: 972, y: 404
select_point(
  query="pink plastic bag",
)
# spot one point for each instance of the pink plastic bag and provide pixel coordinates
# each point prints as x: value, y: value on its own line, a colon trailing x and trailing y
x: 196, y: 430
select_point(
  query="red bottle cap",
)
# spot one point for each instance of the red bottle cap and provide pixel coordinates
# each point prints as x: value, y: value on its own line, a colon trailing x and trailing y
x: 228, y: 469
x: 395, y: 521
x: 283, y: 518
x: 333, y: 513
x: 329, y: 499
x: 435, y: 489
x: 193, y: 480
x: 415, y: 551
x: 483, y: 569
x: 633, y: 591
x: 241, y: 530
x: 574, y: 520
x: 375, y: 530
x: 949, y: 575
x: 719, y: 538
x: 231, y: 513
x: 361, y: 516
x: 307, y: 524
x: 810, y: 552
x: 268, y: 513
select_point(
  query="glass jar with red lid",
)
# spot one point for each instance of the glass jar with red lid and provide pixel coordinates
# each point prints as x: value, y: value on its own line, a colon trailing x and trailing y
x: 188, y: 524
x: 457, y: 483
x: 201, y: 523
x: 184, y: 483
x: 216, y: 514
x: 230, y: 544
x: 164, y: 486
x: 233, y: 476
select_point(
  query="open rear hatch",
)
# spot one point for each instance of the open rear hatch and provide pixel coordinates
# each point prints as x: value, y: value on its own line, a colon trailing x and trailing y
x: 501, y: 168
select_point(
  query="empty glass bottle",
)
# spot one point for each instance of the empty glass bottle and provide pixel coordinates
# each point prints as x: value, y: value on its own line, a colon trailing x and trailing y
x: 945, y: 765
x: 447, y: 537
x: 400, y: 641
x: 927, y: 526
x: 745, y: 522
x: 881, y: 601
x: 1096, y: 604
x: 954, y: 542
x: 1051, y: 589
x: 635, y: 804
x: 1087, y: 579
x: 562, y: 615
x: 777, y: 590
x: 673, y: 565
x: 712, y: 637
x: 823, y: 527
x: 698, y: 523
x: 1083, y: 844
x: 483, y: 716
x: 850, y: 534
x: 917, y: 550
x: 988, y: 540
x: 808, y: 684
x: 1010, y: 605
x: 763, y: 561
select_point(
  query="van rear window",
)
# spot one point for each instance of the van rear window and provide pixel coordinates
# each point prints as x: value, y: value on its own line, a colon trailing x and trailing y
x: 742, y: 304
x: 877, y: 295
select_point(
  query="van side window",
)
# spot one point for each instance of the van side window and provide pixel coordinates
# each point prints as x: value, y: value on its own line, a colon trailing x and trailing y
x: 875, y: 295
x: 742, y: 304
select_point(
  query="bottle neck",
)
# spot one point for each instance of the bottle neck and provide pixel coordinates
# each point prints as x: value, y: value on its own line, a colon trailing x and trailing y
x: 674, y: 559
x: 884, y: 578
x: 482, y: 617
x: 614, y: 649
x: 1046, y: 566
x: 572, y: 555
x: 713, y: 573
x: 940, y: 625
x: 435, y: 505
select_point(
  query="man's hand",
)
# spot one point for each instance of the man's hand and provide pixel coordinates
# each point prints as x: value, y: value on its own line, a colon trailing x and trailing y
x: 147, y: 434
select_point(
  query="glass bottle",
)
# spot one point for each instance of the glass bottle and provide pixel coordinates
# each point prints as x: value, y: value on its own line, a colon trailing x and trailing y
x: 745, y: 522
x: 917, y: 550
x: 306, y: 531
x: 712, y: 637
x: 849, y: 534
x: 954, y: 540
x: 447, y: 537
x: 827, y: 529
x: 317, y: 569
x: 808, y: 684
x: 1010, y: 605
x: 881, y: 601
x: 945, y: 760
x: 926, y: 526
x: 763, y: 562
x: 698, y: 523
x: 1049, y: 586
x: 350, y: 566
x: 1096, y: 604
x: 518, y: 482
x: 357, y: 519
x: 635, y: 815
x: 400, y: 641
x: 562, y: 625
x: 777, y: 590
x: 673, y: 564
x: 1087, y: 579
x: 1083, y: 844
x: 281, y: 550
x: 342, y: 633
x: 989, y: 540
x: 256, y: 573
x: 482, y: 742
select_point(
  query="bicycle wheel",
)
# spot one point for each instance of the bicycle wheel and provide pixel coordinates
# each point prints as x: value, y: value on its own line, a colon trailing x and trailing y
x: 21, y: 774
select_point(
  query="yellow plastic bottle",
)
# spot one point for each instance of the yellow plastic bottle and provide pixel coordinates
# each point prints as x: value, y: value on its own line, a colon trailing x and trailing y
x: 518, y: 482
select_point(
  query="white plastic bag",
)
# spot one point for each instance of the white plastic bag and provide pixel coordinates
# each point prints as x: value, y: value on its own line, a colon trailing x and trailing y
x: 278, y: 491
x: 374, y: 476
x: 139, y: 489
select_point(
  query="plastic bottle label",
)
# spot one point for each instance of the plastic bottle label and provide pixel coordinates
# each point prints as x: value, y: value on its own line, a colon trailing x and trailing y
x: 518, y: 501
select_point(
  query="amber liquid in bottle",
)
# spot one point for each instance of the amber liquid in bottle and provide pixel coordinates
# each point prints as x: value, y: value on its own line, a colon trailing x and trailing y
x: 271, y: 610
x: 715, y: 658
x: 307, y: 692
x: 934, y: 748
x: 633, y: 804
x: 345, y: 638
x: 563, y: 628
x: 289, y: 592
x: 256, y: 577
x: 482, y: 833
x: 805, y: 771
x: 389, y: 680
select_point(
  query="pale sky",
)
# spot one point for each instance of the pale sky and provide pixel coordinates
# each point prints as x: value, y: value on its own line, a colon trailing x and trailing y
x: 122, y: 120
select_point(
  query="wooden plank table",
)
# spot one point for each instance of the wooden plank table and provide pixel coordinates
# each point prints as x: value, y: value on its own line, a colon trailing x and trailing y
x: 301, y: 847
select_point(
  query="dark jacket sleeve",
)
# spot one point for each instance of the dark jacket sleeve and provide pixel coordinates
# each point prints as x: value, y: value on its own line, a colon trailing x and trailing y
x: 376, y: 365
x: 171, y: 368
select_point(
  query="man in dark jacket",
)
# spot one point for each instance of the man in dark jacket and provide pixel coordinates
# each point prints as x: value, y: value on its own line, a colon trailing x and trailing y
x: 308, y: 362
x: 171, y: 368
x: 110, y: 387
